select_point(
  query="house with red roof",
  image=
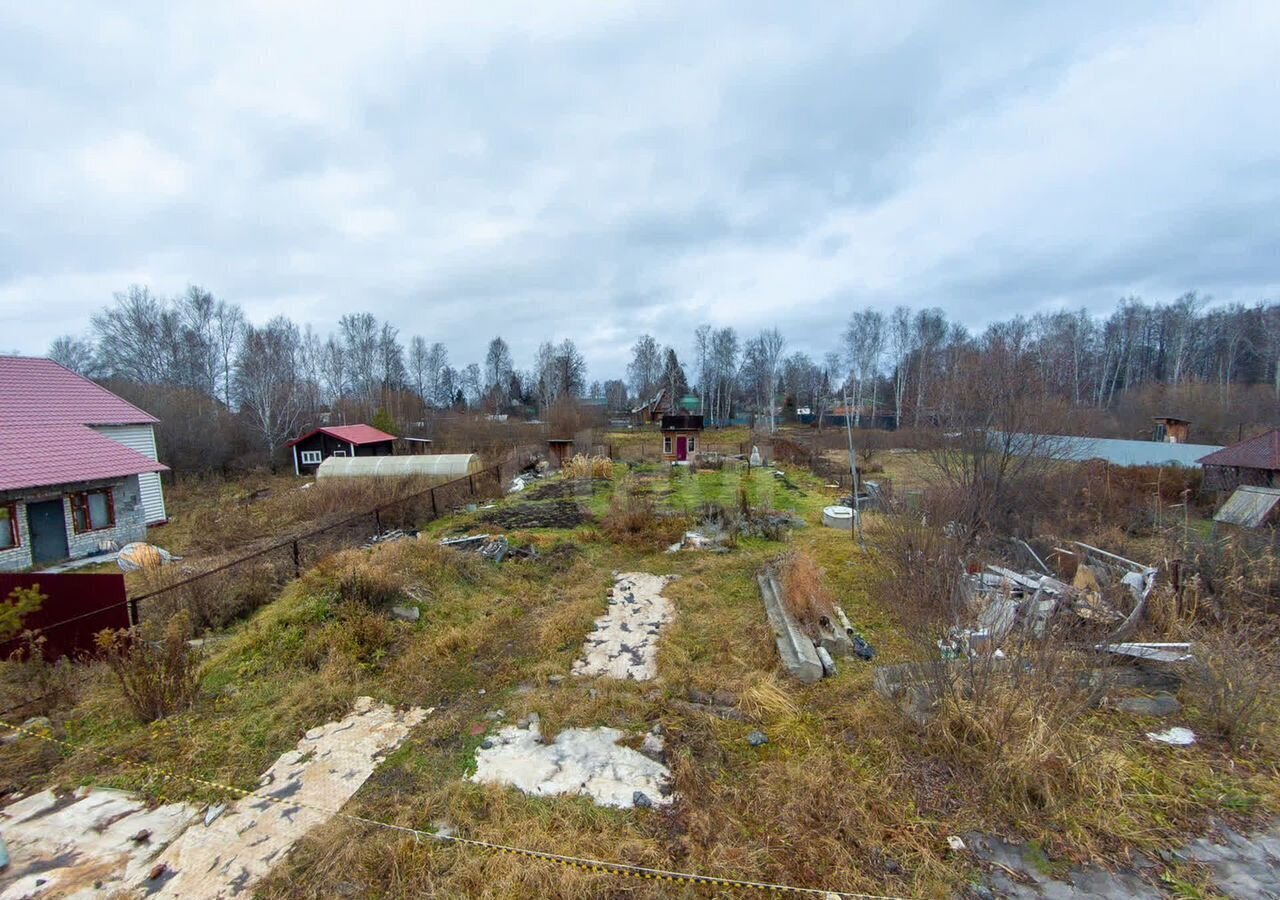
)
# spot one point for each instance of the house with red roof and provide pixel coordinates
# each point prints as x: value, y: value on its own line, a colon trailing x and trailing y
x: 316, y: 446
x: 78, y: 466
x: 1255, y: 462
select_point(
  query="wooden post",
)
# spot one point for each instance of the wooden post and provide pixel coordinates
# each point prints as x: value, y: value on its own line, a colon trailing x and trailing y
x: 297, y: 561
x: 471, y: 484
x: 377, y: 519
x: 435, y: 513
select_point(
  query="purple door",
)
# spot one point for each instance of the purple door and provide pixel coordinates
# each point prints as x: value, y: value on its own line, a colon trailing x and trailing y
x: 682, y: 447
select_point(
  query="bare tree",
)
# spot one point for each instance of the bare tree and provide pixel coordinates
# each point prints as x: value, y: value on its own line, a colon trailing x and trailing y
x: 266, y: 382
x: 771, y: 346
x: 645, y: 368
x: 900, y: 339
x: 74, y: 353
x: 864, y: 340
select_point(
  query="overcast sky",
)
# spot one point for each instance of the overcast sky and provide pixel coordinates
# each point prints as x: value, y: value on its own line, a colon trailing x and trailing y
x: 596, y: 169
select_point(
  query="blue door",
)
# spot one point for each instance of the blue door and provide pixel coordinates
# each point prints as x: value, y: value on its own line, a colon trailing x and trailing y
x: 48, y: 528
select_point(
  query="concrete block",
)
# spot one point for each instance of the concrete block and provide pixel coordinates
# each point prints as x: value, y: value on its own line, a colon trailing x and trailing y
x: 797, y: 651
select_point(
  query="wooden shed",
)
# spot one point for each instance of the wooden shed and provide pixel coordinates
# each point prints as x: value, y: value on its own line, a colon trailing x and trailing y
x: 680, y: 436
x: 314, y: 447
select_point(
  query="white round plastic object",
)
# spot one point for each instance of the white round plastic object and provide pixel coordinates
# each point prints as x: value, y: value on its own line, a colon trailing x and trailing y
x: 838, y: 517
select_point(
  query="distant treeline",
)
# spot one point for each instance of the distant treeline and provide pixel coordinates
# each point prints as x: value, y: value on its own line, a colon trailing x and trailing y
x: 231, y: 392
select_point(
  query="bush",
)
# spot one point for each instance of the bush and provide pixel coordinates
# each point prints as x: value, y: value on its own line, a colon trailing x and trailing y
x: 588, y: 467
x: 156, y: 667
x: 1232, y: 682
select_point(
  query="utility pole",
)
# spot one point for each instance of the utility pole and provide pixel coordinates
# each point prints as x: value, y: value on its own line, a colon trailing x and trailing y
x: 853, y: 471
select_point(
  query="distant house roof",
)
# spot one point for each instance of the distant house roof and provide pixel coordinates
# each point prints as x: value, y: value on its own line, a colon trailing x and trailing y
x: 652, y: 404
x: 1249, y: 506
x: 37, y: 391
x: 352, y: 434
x: 58, y: 453
x: 1261, y: 452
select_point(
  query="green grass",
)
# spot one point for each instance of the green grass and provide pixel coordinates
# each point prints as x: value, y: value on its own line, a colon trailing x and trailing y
x: 841, y: 785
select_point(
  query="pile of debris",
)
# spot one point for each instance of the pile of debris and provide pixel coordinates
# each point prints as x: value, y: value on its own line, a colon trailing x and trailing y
x: 493, y: 548
x: 534, y: 473
x: 1004, y: 600
x: 387, y: 537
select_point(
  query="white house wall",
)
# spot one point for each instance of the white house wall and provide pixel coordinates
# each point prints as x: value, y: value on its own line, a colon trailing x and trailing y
x: 141, y: 439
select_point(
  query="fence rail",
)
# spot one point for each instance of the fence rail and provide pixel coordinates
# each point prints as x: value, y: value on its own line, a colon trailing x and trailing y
x: 221, y: 594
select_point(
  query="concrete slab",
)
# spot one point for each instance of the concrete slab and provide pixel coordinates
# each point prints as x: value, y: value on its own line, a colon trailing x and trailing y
x: 799, y: 656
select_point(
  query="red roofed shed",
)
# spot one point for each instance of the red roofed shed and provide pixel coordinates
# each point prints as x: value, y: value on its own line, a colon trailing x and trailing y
x: 316, y: 446
x: 1255, y: 461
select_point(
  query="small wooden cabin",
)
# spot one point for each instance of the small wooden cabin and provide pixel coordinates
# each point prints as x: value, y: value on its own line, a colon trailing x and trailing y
x: 316, y: 446
x: 1171, y: 430
x: 680, y: 435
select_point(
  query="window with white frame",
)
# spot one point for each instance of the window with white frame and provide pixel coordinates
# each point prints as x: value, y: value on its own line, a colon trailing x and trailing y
x: 666, y: 443
x: 339, y: 452
x: 693, y: 443
x: 310, y: 457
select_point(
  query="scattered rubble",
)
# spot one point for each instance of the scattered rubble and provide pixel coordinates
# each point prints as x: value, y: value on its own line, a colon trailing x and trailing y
x: 494, y: 549
x: 534, y: 473
x: 579, y: 761
x: 387, y: 537
x: 624, y: 643
x: 1004, y: 600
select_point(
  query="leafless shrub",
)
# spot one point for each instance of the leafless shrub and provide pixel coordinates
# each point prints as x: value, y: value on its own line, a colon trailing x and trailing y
x: 157, y: 669
x: 1233, y: 681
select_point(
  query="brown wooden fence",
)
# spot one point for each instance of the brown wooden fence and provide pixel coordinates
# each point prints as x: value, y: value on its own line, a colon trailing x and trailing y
x: 78, y: 605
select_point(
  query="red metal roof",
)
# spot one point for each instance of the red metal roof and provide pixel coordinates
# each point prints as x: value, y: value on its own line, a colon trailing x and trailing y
x: 1261, y: 452
x: 36, y: 391
x: 59, y: 453
x: 352, y: 434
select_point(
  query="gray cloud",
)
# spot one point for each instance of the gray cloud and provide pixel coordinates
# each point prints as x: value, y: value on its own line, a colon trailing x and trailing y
x: 596, y: 170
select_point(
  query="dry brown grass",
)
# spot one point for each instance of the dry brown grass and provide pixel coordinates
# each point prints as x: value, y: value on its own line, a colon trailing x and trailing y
x: 634, y: 520
x: 805, y: 592
x: 582, y: 466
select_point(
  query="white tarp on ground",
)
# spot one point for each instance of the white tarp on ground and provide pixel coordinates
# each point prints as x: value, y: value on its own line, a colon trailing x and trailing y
x: 579, y: 761
x: 83, y: 845
x: 624, y: 644
x: 63, y: 846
